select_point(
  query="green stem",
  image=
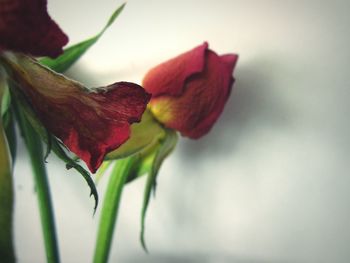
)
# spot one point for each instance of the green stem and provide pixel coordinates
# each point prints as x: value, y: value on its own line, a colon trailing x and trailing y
x: 36, y: 154
x: 110, y: 208
x: 6, y: 201
x: 7, y: 253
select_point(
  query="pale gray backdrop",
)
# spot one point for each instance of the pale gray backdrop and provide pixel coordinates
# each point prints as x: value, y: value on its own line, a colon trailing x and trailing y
x: 270, y: 183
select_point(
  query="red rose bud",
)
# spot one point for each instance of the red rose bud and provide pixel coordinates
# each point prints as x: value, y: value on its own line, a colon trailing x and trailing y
x: 189, y: 92
x: 25, y: 26
x: 90, y: 122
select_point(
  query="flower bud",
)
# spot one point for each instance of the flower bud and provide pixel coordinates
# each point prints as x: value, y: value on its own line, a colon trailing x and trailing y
x: 189, y: 92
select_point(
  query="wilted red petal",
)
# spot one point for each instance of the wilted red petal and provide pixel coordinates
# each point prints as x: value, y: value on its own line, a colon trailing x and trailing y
x: 169, y: 77
x: 25, y: 26
x: 90, y: 123
x: 196, y: 109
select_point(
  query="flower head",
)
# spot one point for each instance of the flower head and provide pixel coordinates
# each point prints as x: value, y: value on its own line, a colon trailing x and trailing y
x: 189, y: 92
x: 90, y: 122
x: 25, y: 26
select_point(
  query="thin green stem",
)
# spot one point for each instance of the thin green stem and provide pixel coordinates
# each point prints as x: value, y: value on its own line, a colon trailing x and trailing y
x: 6, y: 187
x: 110, y: 208
x: 6, y: 201
x: 36, y: 154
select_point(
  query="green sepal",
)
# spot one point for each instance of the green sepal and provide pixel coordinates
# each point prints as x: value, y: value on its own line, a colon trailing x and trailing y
x: 151, y: 165
x: 143, y: 135
x: 144, y: 138
x: 148, y: 161
x: 73, y: 53
x: 149, y: 144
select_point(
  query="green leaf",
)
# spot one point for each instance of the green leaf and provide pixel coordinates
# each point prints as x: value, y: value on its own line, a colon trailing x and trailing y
x: 7, y: 116
x: 110, y: 207
x: 73, y: 53
x: 5, y: 98
x: 57, y: 148
x: 163, y: 150
x: 9, y: 125
x: 8, y: 120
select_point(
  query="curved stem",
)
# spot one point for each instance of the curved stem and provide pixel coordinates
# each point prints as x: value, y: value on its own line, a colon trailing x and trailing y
x: 36, y: 154
x: 7, y: 253
x: 6, y: 200
x: 110, y: 208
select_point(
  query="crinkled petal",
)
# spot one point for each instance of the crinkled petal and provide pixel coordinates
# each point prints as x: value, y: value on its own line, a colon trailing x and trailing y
x: 169, y: 77
x: 25, y: 26
x: 200, y: 105
x: 90, y: 122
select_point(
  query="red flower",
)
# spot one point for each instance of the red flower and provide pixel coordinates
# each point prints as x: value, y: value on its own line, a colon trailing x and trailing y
x: 189, y: 92
x: 90, y: 122
x: 26, y: 27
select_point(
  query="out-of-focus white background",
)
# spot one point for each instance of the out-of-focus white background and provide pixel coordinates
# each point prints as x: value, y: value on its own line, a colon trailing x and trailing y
x: 270, y: 183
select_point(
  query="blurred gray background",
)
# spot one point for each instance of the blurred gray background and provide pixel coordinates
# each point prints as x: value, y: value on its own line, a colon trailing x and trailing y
x: 270, y: 183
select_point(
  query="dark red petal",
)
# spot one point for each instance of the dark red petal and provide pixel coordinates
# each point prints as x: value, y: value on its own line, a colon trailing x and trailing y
x: 169, y: 77
x: 202, y: 102
x: 204, y: 126
x: 25, y: 26
x: 230, y: 61
x: 90, y: 123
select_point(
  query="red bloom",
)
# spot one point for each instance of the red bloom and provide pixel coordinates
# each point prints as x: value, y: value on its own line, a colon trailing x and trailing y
x: 90, y: 122
x: 189, y: 92
x: 26, y: 27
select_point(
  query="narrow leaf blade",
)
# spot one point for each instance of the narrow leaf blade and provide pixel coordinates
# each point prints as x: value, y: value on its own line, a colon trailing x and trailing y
x: 73, y: 53
x: 59, y: 151
x: 9, y: 125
